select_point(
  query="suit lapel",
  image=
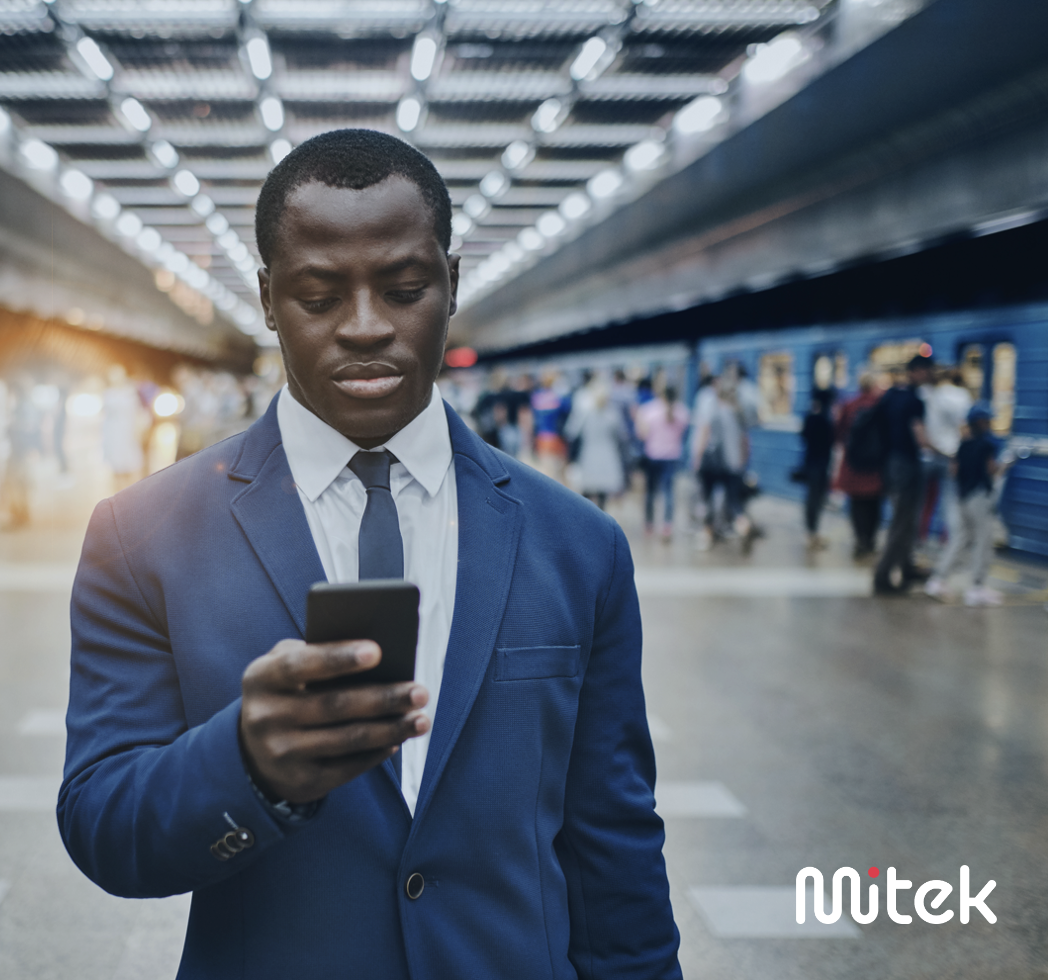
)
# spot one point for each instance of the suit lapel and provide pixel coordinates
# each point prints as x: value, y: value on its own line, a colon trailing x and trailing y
x: 488, y: 528
x: 271, y: 516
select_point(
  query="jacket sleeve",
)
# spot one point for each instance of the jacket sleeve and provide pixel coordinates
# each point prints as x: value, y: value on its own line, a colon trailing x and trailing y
x: 144, y: 796
x: 610, y: 846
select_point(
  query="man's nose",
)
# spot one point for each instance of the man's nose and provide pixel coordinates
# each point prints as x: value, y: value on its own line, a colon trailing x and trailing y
x: 366, y: 322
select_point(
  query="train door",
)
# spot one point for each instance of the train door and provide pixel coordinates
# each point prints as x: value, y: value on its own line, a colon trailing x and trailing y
x: 988, y: 372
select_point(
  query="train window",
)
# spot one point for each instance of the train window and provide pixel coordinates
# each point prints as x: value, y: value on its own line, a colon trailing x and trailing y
x: 891, y: 359
x: 972, y: 373
x: 1003, y: 388
x: 776, y: 383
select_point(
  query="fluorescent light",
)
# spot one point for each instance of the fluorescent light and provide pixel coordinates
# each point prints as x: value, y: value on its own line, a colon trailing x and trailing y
x: 575, y: 205
x: 644, y: 155
x: 500, y: 263
x: 185, y: 182
x: 587, y: 60
x: 238, y: 252
x: 550, y: 224
x: 770, y: 62
x: 259, y: 58
x: 228, y: 240
x: 476, y: 206
x: 135, y: 113
x: 95, y: 60
x: 604, y: 184
x: 531, y: 240
x: 164, y: 154
x: 149, y: 240
x: 699, y: 115
x: 494, y: 184
x: 197, y: 277
x: 105, y: 207
x: 518, y: 154
x: 513, y: 251
x: 39, y: 155
x: 202, y: 205
x: 76, y: 184
x: 129, y: 224
x: 548, y: 116
x: 272, y: 110
x: 279, y: 149
x: 217, y: 224
x: 461, y: 224
x: 178, y: 263
x: 423, y: 57
x: 408, y: 112
x: 5, y: 120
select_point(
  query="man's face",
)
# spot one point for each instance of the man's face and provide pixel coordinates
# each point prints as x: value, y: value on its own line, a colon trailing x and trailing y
x: 359, y: 291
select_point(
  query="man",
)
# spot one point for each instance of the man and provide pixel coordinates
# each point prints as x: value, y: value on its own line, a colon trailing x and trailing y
x: 901, y: 413
x: 517, y: 838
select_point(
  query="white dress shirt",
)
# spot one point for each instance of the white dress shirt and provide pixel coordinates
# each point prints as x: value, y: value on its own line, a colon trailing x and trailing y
x: 423, y: 486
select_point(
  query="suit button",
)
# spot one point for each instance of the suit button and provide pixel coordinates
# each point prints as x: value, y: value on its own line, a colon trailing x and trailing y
x: 414, y: 886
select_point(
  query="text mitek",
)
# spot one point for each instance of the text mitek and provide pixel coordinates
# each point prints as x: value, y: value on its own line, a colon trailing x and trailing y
x: 939, y: 889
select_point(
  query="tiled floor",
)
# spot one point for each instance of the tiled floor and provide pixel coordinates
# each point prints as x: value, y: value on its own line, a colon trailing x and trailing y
x: 797, y: 722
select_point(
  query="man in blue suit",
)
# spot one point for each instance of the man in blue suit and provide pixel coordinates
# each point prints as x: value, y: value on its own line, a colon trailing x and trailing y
x: 517, y: 837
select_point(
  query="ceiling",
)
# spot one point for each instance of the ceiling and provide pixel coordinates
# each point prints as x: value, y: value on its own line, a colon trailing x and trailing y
x: 175, y: 110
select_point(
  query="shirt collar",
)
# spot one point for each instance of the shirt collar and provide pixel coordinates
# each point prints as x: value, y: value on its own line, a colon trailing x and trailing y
x: 317, y: 453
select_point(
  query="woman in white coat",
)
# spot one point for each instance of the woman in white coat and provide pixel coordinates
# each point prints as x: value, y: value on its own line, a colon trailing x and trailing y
x: 600, y: 430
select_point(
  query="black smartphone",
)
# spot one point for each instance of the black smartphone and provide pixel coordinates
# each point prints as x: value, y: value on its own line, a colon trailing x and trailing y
x: 383, y: 610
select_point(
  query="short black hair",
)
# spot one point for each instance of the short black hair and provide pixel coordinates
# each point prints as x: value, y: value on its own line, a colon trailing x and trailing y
x: 350, y: 158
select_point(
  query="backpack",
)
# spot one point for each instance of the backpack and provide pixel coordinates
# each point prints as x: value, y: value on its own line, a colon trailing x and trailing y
x: 867, y: 448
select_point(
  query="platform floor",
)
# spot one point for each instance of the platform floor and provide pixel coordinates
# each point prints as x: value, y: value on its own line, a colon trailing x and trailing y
x: 797, y: 722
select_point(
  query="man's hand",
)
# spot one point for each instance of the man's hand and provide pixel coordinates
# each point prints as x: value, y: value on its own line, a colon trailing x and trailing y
x: 299, y: 742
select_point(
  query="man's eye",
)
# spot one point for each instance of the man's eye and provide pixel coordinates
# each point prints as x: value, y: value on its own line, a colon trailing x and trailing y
x: 319, y: 305
x: 406, y: 295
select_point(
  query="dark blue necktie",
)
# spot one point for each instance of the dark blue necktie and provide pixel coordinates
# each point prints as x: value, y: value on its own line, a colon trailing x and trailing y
x: 379, y: 544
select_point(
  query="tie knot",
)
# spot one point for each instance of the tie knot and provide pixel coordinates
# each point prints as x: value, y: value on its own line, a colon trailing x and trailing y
x: 372, y: 468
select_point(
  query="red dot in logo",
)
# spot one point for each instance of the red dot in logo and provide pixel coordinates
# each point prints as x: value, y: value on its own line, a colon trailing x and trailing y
x: 874, y: 872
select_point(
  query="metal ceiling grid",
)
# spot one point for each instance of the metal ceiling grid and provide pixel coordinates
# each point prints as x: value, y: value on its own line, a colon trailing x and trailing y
x: 176, y: 109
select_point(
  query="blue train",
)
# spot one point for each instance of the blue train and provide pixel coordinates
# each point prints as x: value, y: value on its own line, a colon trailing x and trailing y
x: 1002, y: 355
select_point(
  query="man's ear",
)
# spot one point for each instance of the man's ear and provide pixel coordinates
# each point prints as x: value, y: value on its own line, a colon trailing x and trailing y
x: 453, y: 270
x: 263, y: 295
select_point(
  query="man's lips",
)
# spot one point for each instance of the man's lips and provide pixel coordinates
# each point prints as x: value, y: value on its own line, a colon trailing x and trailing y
x: 373, y: 387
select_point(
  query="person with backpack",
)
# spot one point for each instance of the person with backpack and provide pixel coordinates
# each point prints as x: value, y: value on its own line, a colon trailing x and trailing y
x: 864, y: 487
x: 900, y: 416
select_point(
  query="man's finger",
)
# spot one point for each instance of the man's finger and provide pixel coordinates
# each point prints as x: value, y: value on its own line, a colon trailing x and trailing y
x: 292, y: 667
x: 339, y: 741
x: 339, y: 705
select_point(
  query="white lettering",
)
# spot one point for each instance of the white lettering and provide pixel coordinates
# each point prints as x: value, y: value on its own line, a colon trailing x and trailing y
x: 979, y: 902
x: 895, y: 885
x: 943, y: 888
x: 837, y: 904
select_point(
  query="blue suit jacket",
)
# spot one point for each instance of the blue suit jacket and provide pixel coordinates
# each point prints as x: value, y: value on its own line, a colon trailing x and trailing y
x: 535, y: 828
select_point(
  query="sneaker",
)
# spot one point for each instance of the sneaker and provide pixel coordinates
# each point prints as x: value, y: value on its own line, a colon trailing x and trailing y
x: 936, y: 588
x: 983, y: 595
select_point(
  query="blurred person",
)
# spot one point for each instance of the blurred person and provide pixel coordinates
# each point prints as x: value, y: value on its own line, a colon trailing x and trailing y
x: 901, y: 413
x: 206, y: 751
x: 865, y: 490
x: 550, y: 408
x: 719, y: 452
x: 25, y: 438
x: 749, y: 397
x: 946, y: 410
x: 122, y: 424
x: 818, y: 436
x: 972, y: 471
x: 661, y: 424
x: 598, y: 426
x: 487, y: 426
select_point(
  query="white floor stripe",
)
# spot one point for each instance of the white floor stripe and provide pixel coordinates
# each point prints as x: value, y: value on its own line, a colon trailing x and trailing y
x: 33, y: 793
x: 764, y: 913
x: 43, y: 721
x: 753, y: 583
x: 660, y: 731
x: 696, y: 799
x: 36, y: 576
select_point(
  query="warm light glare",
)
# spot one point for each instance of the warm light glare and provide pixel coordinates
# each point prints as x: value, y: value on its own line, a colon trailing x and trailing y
x: 586, y: 64
x: 135, y: 113
x: 408, y: 112
x: 259, y: 59
x: 698, y: 116
x: 167, y: 403
x: 460, y: 357
x: 77, y: 185
x: 272, y: 110
x: 95, y: 59
x: 423, y: 57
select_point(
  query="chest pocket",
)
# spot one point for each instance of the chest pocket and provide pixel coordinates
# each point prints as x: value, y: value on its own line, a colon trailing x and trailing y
x: 535, y: 663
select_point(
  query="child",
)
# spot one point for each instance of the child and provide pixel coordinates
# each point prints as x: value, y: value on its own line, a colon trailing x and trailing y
x: 973, y: 468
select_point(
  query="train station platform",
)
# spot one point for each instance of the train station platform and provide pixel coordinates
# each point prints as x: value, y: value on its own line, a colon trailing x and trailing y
x: 798, y: 722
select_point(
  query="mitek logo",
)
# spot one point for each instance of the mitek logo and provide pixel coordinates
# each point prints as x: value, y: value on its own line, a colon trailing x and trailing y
x: 938, y: 889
